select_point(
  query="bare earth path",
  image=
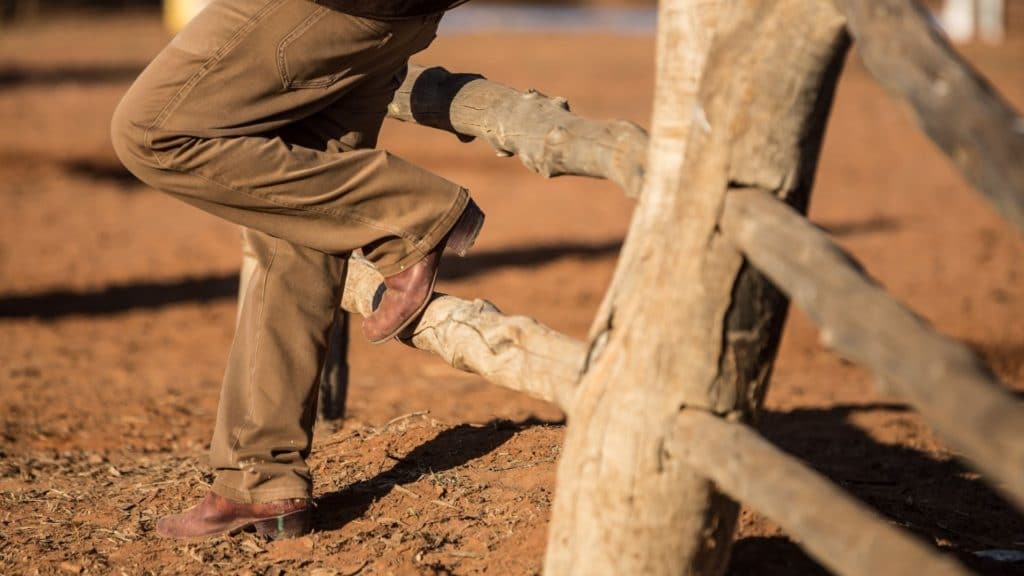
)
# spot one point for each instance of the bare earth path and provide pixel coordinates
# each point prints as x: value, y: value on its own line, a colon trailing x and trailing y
x: 117, y: 304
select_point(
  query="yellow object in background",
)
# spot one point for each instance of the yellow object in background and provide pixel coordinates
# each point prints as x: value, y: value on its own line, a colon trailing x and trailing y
x: 177, y: 13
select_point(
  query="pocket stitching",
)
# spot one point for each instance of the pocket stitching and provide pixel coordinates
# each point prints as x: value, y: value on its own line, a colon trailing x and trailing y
x: 369, y: 24
x: 282, y: 58
x: 288, y: 40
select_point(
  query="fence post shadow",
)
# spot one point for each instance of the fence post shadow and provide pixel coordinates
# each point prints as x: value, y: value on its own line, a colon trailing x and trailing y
x: 941, y: 501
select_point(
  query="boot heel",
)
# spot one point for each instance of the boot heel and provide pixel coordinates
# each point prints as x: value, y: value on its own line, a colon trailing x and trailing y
x: 285, y: 526
x: 466, y: 229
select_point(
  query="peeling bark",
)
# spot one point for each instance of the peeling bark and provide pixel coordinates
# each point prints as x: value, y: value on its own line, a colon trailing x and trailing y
x: 549, y: 139
x: 511, y: 351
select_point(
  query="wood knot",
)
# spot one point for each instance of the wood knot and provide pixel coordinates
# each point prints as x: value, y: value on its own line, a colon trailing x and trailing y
x: 557, y: 135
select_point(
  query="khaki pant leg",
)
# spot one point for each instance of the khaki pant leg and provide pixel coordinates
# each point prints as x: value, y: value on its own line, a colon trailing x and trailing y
x: 201, y: 123
x: 268, y: 400
x: 267, y: 409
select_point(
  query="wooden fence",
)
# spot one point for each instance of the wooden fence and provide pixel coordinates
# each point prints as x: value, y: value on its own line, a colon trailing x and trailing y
x: 680, y: 354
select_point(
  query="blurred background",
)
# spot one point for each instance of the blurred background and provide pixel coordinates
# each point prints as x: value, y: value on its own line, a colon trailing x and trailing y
x: 117, y: 307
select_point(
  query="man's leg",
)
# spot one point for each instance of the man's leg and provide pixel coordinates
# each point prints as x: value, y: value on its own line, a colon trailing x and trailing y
x: 268, y: 403
x: 253, y: 138
x: 202, y: 123
x: 268, y: 399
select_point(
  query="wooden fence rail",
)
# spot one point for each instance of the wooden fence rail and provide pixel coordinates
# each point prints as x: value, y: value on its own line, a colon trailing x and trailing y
x: 955, y: 105
x: 942, y: 378
x: 843, y: 534
x: 541, y: 131
x: 511, y: 351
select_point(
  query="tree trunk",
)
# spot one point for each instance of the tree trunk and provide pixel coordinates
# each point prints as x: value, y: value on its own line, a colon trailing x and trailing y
x: 685, y: 323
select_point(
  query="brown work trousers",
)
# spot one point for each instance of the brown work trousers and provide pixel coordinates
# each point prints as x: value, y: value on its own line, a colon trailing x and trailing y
x: 265, y: 113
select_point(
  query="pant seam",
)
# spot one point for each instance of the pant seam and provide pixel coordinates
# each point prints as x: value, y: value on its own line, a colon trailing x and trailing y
x: 282, y: 62
x: 443, y: 225
x: 255, y: 354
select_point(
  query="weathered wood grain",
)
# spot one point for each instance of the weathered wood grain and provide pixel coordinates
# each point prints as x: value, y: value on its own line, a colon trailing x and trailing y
x: 958, y: 109
x: 511, y: 351
x: 837, y: 530
x: 741, y: 94
x: 942, y: 378
x: 548, y: 138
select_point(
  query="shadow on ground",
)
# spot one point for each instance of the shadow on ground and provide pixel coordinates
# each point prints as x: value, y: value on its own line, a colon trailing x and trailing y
x: 47, y: 77
x: 940, y: 501
x: 449, y: 449
x: 107, y: 170
x: 120, y: 298
x: 153, y: 295
x: 873, y: 225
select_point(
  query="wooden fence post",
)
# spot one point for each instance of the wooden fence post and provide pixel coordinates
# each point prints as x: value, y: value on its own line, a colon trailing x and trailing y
x: 686, y: 323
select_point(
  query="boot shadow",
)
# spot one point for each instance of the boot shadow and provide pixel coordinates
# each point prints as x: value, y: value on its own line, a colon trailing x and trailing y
x: 449, y: 449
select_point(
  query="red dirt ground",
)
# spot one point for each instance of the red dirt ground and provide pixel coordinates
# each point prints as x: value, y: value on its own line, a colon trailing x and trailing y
x: 117, y: 308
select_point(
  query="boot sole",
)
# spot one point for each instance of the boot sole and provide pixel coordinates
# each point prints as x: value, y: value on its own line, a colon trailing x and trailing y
x: 290, y: 525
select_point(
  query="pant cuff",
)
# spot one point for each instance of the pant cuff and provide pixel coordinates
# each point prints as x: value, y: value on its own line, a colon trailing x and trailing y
x: 431, y: 239
x: 258, y: 495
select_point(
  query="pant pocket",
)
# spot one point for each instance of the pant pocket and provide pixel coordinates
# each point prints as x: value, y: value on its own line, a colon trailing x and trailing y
x: 327, y: 46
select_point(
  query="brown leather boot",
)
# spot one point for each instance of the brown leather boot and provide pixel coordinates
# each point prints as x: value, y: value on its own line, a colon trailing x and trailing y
x: 409, y: 291
x: 218, y: 515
